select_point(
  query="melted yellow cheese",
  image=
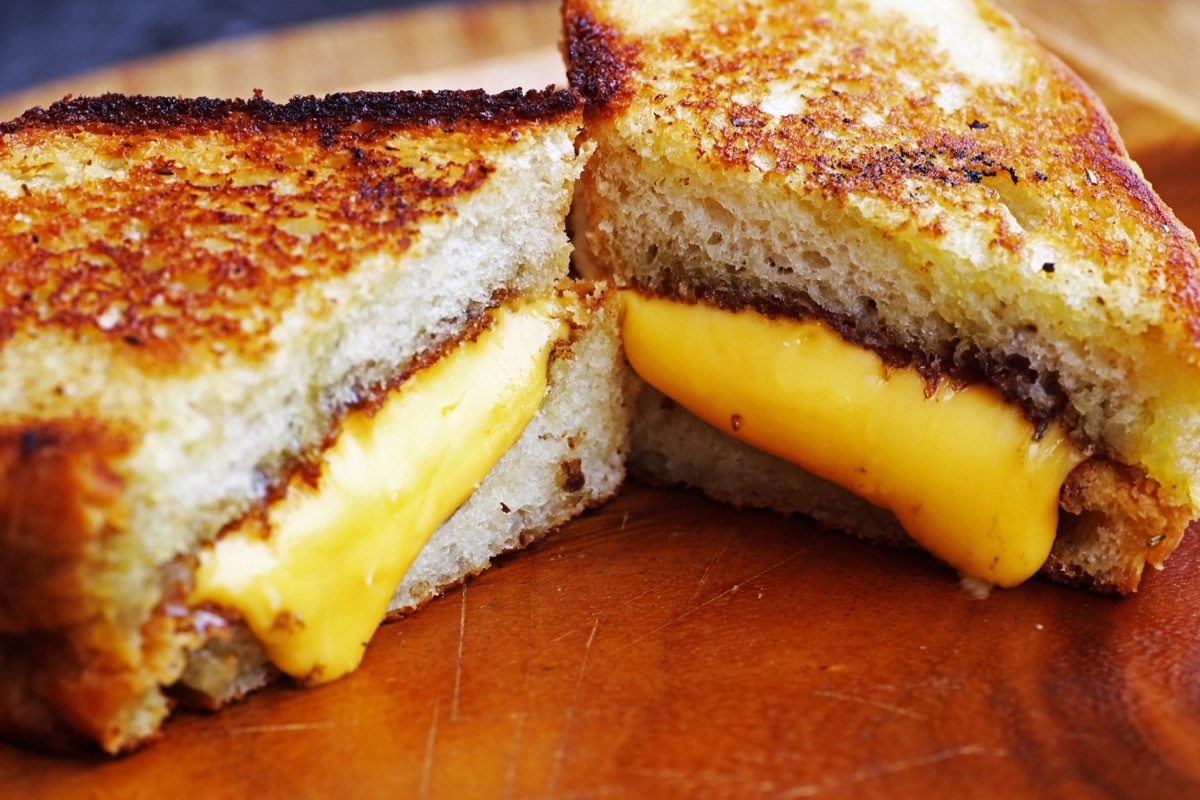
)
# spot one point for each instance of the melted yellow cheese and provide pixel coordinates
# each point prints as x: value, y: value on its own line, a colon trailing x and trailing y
x: 962, y: 470
x: 314, y: 582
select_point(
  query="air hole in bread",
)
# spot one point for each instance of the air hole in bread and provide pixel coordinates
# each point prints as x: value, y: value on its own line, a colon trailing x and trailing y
x: 864, y: 314
x: 719, y: 216
x: 815, y: 261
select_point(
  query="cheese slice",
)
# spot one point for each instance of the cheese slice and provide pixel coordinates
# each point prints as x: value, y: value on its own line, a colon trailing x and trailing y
x: 965, y: 473
x: 314, y: 578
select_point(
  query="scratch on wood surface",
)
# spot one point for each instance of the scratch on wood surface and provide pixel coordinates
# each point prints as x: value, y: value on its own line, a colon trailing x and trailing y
x: 866, y: 701
x: 560, y: 751
x: 291, y: 727
x: 430, y: 742
x: 731, y: 590
x: 510, y: 775
x: 462, y: 635
x: 654, y: 590
x: 708, y: 568
x: 624, y: 521
x: 884, y: 769
x: 697, y: 782
x: 483, y: 671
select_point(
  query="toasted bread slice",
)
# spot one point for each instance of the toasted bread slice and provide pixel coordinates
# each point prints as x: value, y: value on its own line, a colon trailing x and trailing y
x: 195, y: 295
x: 927, y: 181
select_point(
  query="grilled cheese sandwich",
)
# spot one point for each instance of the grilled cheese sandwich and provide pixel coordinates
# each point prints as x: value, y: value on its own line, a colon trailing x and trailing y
x: 335, y: 333
x: 927, y: 183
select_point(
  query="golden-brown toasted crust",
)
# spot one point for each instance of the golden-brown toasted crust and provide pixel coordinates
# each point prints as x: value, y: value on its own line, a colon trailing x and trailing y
x: 206, y: 262
x: 86, y: 684
x: 68, y: 674
x: 861, y: 111
x: 59, y: 499
x: 1114, y: 516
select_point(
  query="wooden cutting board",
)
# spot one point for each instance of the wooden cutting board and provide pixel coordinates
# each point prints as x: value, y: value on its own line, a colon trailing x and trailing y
x: 664, y: 645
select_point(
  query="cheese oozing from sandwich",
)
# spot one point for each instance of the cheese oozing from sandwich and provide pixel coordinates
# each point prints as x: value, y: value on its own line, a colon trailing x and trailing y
x: 314, y: 578
x: 965, y: 473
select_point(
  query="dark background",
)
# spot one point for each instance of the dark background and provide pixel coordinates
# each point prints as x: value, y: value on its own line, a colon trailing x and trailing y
x: 42, y: 40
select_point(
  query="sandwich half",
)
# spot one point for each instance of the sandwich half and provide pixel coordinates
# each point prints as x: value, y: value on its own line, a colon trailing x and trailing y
x: 270, y: 373
x: 888, y: 264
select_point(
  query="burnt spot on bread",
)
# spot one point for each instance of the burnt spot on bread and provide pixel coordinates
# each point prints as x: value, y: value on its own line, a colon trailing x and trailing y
x: 184, y: 227
x: 571, y: 476
x: 599, y: 60
x: 331, y: 114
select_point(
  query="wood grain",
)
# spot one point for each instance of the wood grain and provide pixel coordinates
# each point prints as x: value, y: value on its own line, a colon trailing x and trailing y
x: 665, y: 646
